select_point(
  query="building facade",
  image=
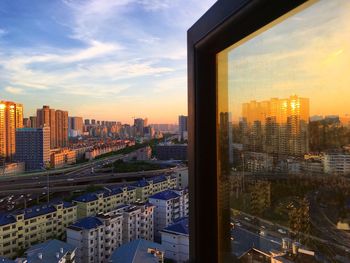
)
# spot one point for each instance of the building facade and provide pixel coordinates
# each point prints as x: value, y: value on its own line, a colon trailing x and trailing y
x: 104, y: 201
x: 33, y: 147
x: 171, y: 151
x: 11, y: 118
x: 170, y: 205
x: 175, y: 240
x: 24, y: 228
x: 96, y: 237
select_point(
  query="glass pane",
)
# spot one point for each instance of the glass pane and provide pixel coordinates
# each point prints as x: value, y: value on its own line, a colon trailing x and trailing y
x: 284, y: 139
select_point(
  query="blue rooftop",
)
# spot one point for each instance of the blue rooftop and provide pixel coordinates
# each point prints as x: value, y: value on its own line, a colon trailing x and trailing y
x: 88, y: 223
x: 6, y: 218
x: 141, y: 183
x: 165, y: 195
x: 6, y: 260
x: 136, y: 252
x: 49, y: 249
x: 88, y: 197
x: 34, y: 211
x: 159, y: 179
x: 178, y: 227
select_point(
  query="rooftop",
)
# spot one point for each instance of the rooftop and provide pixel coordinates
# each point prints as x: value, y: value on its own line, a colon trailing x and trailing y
x: 52, y: 251
x: 34, y: 211
x: 136, y: 252
x: 165, y: 195
x: 87, y: 223
x: 178, y: 227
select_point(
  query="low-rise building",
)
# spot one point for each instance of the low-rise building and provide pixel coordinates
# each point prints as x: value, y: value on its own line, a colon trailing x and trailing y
x: 96, y: 237
x: 12, y: 169
x: 51, y: 251
x: 151, y: 186
x: 138, y: 251
x: 170, y: 205
x: 104, y: 201
x: 21, y: 229
x: 175, y: 240
x: 60, y: 158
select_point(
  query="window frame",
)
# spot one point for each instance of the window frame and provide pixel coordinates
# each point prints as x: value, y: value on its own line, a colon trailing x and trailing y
x: 207, y: 37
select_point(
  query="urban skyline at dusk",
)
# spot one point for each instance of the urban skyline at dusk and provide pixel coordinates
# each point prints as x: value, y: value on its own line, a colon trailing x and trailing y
x: 315, y: 69
x: 97, y: 59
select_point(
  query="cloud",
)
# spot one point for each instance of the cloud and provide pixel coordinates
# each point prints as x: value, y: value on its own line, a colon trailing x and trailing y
x: 2, y: 32
x: 14, y: 90
x: 170, y: 84
x: 155, y: 5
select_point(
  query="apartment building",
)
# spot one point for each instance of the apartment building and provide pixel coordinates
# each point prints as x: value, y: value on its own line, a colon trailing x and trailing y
x: 104, y: 201
x: 96, y: 237
x: 170, y: 205
x: 151, y: 186
x: 336, y: 163
x: 21, y: 229
x: 175, y: 240
x: 138, y: 221
x: 60, y: 158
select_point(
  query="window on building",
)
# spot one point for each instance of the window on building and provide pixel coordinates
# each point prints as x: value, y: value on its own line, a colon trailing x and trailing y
x: 269, y: 87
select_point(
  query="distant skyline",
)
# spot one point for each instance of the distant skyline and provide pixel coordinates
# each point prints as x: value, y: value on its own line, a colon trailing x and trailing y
x: 306, y: 54
x: 101, y: 59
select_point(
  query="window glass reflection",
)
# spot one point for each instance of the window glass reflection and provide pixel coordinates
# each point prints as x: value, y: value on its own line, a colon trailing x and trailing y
x: 284, y: 139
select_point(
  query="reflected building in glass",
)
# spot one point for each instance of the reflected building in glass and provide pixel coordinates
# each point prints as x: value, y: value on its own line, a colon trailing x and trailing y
x: 277, y: 126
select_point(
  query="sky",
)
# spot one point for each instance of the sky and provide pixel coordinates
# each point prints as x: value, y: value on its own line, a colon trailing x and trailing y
x: 307, y: 54
x: 102, y: 59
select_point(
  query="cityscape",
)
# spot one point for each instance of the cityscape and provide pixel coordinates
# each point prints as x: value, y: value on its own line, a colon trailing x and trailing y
x: 99, y: 140
x: 85, y: 190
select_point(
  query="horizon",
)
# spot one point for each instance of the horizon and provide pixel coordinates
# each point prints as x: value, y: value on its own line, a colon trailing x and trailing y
x: 98, y: 59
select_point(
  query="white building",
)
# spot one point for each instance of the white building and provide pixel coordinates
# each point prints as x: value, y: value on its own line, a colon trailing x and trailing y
x: 138, y: 221
x: 175, y: 240
x: 336, y: 163
x: 96, y: 237
x: 170, y: 205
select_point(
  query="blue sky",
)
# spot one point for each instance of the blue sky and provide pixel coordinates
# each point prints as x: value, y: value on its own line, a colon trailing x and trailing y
x: 103, y: 59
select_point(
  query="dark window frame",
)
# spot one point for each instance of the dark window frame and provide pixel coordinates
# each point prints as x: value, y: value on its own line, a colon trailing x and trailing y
x: 224, y: 24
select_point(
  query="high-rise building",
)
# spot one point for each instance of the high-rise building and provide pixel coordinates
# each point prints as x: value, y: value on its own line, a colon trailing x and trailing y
x: 57, y: 120
x: 139, y: 124
x: 284, y: 122
x: 61, y: 128
x: 32, y: 122
x: 33, y: 147
x: 75, y: 126
x: 26, y: 123
x: 11, y: 117
x: 183, y: 126
x: 47, y: 117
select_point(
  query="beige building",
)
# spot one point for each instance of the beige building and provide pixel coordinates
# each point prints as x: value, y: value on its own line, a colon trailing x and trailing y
x: 60, y: 158
x: 151, y: 186
x: 104, y: 201
x: 21, y: 229
x: 57, y: 120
